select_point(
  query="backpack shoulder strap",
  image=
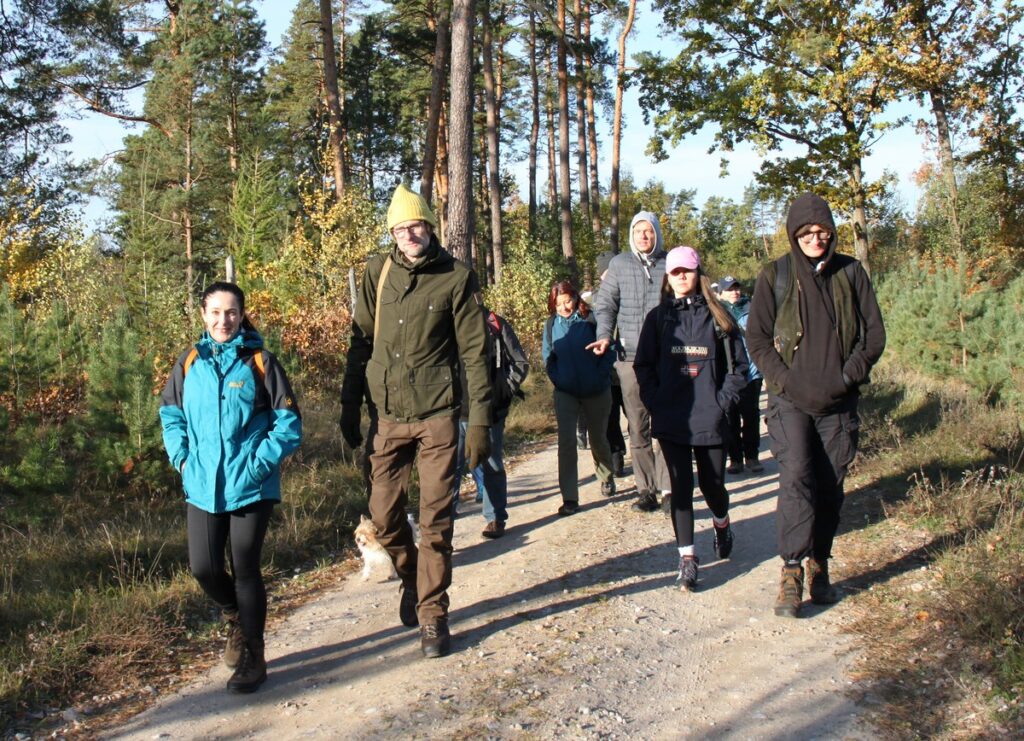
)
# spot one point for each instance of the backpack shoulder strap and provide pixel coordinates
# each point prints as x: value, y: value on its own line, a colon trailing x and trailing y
x: 380, y: 286
x: 494, y: 323
x: 723, y: 336
x: 781, y: 282
x: 261, y: 367
x: 189, y: 359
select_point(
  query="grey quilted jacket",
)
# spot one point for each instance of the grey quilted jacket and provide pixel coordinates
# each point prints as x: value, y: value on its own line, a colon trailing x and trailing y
x: 629, y: 291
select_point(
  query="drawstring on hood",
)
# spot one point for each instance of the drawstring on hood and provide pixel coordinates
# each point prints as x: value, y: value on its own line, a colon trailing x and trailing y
x: 647, y: 259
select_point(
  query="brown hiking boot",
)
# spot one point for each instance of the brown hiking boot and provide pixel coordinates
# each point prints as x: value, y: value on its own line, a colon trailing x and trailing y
x: 821, y: 589
x: 251, y: 671
x: 791, y: 591
x: 235, y: 642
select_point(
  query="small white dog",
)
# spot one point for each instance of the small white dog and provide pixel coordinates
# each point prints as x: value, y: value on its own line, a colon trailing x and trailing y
x: 372, y: 552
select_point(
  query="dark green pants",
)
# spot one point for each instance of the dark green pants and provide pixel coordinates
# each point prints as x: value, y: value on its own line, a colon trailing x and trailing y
x: 594, y: 410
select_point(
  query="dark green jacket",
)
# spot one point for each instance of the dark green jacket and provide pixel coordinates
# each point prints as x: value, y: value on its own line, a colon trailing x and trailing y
x: 430, y: 320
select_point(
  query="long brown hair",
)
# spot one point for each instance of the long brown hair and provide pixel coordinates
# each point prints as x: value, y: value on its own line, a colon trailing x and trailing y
x: 566, y: 288
x: 720, y: 314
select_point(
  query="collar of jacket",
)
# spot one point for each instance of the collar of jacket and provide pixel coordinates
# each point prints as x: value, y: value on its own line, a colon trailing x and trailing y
x: 208, y: 346
x: 686, y: 302
x: 650, y: 258
x: 435, y: 255
x: 571, y: 319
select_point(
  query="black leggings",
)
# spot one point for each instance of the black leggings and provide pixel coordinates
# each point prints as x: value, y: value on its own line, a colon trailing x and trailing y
x: 710, y: 475
x: 244, y: 592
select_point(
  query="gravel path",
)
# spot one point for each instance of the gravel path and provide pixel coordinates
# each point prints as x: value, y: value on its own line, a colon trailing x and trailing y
x: 566, y: 627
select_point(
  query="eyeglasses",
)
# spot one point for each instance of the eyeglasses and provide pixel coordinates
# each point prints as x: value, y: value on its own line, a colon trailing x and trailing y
x: 680, y: 271
x: 822, y: 236
x: 411, y: 230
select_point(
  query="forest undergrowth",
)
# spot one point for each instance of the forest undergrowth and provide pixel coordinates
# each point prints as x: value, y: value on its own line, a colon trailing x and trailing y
x: 934, y: 550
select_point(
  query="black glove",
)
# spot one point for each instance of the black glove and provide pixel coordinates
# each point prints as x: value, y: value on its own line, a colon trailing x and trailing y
x: 478, y: 445
x: 349, y: 423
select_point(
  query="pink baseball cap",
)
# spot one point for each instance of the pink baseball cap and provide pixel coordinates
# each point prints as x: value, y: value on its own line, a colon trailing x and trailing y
x: 682, y: 257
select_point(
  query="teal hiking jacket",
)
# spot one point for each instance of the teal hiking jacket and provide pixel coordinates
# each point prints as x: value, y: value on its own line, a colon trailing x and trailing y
x: 229, y: 422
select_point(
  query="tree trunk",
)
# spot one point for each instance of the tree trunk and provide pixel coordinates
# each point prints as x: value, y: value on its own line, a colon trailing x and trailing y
x: 565, y: 182
x: 460, y: 165
x: 859, y: 215
x: 549, y: 109
x: 534, y: 126
x: 333, y: 97
x: 482, y: 258
x: 343, y: 131
x: 581, y: 114
x: 620, y: 75
x: 441, y: 173
x: 493, y: 140
x: 233, y: 136
x: 437, y: 76
x: 595, y: 183
x: 948, y: 166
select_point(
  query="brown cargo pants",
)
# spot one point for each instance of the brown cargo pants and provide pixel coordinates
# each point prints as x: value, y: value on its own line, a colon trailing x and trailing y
x: 393, y: 449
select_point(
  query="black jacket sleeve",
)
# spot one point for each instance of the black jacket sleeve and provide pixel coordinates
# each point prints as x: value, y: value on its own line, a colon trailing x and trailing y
x: 735, y: 382
x: 353, y: 386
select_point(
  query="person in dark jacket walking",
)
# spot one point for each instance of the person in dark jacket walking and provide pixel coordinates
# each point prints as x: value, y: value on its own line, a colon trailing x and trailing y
x: 744, y: 417
x: 815, y: 331
x: 229, y: 418
x: 616, y: 441
x: 691, y: 366
x: 582, y: 380
x: 508, y: 370
x: 417, y: 323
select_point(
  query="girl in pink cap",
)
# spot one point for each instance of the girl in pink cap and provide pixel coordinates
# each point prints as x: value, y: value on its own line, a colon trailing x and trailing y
x: 691, y: 366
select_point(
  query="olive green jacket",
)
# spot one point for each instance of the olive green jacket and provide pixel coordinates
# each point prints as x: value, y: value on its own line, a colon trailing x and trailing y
x: 430, y: 319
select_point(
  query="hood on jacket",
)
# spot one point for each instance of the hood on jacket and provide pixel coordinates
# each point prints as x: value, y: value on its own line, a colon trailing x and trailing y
x: 659, y: 243
x: 809, y: 208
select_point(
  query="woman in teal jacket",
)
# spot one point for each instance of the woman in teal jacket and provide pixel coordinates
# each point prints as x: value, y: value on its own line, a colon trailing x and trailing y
x: 582, y: 383
x: 229, y: 418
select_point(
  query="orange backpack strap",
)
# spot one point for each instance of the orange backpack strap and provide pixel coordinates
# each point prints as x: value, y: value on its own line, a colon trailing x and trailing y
x: 189, y: 359
x: 257, y: 358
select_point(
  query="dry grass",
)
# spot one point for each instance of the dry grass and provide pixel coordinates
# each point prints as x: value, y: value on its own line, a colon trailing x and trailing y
x: 935, y: 548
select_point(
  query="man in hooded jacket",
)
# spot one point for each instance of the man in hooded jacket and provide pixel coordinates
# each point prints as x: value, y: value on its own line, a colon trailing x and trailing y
x: 815, y: 331
x: 630, y: 290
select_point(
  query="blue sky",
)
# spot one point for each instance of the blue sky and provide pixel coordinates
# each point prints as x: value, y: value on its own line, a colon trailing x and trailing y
x: 688, y: 166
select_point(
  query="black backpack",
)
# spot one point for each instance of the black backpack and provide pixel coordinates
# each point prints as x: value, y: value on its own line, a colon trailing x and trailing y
x: 507, y: 380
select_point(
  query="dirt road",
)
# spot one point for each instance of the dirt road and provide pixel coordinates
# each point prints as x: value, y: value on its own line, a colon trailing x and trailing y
x: 566, y: 627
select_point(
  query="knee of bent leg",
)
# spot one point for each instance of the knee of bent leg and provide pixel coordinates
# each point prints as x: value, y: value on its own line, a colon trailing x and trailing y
x: 204, y: 571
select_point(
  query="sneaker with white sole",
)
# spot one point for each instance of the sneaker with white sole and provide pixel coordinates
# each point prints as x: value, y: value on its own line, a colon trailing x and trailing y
x: 687, y: 576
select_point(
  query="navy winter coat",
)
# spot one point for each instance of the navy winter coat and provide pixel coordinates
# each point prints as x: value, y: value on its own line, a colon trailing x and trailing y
x: 570, y: 366
x: 682, y: 370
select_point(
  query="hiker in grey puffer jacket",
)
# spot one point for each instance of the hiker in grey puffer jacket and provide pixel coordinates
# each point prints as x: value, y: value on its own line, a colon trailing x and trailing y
x: 630, y: 290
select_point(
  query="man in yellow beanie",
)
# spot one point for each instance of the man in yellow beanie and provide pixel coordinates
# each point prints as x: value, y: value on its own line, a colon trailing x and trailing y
x: 417, y: 321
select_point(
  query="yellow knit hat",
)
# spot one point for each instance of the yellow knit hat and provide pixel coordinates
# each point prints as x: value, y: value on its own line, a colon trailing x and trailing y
x: 409, y: 206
